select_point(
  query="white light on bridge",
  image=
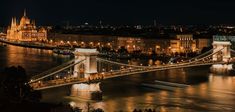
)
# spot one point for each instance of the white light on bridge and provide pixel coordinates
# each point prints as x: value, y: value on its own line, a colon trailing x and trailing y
x: 72, y: 104
x: 86, y: 87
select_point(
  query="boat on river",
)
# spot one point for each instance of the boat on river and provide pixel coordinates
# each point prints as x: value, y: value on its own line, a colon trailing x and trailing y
x: 169, y: 86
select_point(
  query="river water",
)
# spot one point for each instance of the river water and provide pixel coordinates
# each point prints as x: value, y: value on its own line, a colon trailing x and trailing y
x: 207, y: 92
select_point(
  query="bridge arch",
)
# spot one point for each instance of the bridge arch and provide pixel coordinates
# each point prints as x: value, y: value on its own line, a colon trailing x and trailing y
x: 223, y: 55
x: 223, y: 49
x: 90, y: 64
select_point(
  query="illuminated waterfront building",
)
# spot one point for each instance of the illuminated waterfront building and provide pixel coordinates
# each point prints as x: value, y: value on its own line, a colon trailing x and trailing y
x: 183, y: 43
x: 26, y: 30
x: 130, y: 43
x: 146, y: 45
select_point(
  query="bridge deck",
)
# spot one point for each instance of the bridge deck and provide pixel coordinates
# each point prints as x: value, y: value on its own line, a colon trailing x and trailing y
x: 107, y: 75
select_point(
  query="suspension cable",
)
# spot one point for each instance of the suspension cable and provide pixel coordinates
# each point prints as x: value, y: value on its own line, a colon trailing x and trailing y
x: 136, y: 66
x: 39, y: 77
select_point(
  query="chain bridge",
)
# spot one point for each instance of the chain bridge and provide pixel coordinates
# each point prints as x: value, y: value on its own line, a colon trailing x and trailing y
x: 86, y: 71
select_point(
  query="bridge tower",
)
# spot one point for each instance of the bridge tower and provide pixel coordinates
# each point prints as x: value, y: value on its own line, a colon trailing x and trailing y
x: 87, y: 91
x: 90, y: 64
x: 222, y: 55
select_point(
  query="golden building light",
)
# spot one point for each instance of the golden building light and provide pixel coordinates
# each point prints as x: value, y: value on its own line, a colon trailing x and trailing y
x: 26, y: 30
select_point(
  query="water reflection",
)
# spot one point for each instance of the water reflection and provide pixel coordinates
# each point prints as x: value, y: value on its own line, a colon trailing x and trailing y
x: 222, y: 82
x: 31, y: 59
x: 218, y: 94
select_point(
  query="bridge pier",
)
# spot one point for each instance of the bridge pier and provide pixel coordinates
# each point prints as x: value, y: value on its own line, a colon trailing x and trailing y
x: 222, y: 56
x: 221, y: 68
x: 87, y: 91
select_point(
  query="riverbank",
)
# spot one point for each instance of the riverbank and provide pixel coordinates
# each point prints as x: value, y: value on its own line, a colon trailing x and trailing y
x: 29, y: 45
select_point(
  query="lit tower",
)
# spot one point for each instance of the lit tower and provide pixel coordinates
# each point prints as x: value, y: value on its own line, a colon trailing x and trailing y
x: 87, y: 91
x: 221, y: 46
x: 25, y: 13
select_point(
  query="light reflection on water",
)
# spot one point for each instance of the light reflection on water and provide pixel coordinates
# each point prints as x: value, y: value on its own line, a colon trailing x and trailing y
x: 216, y: 94
x: 33, y: 60
x: 208, y: 92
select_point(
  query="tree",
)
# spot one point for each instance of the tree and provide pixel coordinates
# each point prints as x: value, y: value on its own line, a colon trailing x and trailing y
x: 14, y: 86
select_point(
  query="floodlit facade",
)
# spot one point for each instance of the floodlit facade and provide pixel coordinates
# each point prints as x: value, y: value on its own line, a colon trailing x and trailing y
x: 183, y: 43
x: 25, y: 30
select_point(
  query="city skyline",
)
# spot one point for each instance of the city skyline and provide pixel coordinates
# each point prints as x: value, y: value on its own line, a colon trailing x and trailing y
x: 120, y: 12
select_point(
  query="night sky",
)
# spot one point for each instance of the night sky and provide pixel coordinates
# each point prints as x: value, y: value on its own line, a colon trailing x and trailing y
x: 116, y: 12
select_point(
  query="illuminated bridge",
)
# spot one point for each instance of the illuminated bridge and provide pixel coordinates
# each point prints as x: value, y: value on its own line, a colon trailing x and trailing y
x: 86, y: 71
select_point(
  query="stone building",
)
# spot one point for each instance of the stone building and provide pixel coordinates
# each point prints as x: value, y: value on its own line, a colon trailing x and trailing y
x: 25, y: 30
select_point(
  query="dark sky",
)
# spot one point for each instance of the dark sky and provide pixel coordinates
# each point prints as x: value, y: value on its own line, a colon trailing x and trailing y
x: 51, y: 12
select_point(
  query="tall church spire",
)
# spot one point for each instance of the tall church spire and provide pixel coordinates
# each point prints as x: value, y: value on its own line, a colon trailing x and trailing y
x: 15, y: 22
x: 12, y: 22
x: 25, y: 12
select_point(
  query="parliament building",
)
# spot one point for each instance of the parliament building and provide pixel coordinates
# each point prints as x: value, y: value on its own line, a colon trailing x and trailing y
x: 26, y: 30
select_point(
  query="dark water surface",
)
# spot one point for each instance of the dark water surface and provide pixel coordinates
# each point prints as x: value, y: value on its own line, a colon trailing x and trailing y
x: 208, y: 92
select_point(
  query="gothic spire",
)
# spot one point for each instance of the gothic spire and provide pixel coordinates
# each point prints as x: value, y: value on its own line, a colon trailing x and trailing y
x: 25, y: 12
x: 12, y: 21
